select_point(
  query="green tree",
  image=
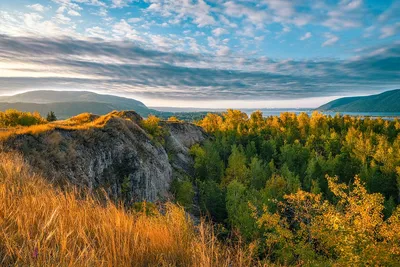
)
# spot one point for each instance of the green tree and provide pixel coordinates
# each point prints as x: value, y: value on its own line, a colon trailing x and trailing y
x: 184, y: 193
x: 208, y: 164
x: 237, y: 169
x: 212, y: 200
x: 258, y: 173
x: 51, y: 116
x: 240, y: 211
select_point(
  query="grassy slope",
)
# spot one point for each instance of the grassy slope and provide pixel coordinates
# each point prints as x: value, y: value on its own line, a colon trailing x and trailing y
x: 44, y: 226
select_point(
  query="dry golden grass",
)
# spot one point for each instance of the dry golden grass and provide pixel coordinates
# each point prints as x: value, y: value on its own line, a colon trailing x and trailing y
x: 43, y: 226
x: 83, y: 121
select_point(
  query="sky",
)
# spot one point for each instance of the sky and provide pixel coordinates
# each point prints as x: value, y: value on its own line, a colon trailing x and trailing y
x: 202, y: 53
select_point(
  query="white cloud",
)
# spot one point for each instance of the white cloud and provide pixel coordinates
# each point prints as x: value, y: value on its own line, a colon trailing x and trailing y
x: 223, y: 51
x: 134, y: 20
x: 61, y: 9
x: 199, y: 11
x: 61, y: 19
x: 31, y: 19
x: 33, y: 24
x: 102, y: 12
x: 256, y: 17
x: 123, y: 30
x: 219, y: 31
x: 331, y: 39
x: 282, y: 8
x: 73, y: 13
x: 350, y: 4
x: 92, y: 2
x: 120, y: 3
x: 37, y: 7
x: 306, y: 36
x: 391, y: 30
x: 96, y: 32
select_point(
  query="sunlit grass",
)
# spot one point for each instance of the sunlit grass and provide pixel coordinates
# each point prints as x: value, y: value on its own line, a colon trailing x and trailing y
x: 83, y: 121
x: 43, y: 226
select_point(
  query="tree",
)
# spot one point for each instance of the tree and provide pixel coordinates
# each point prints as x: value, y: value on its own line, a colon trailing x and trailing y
x: 237, y: 169
x: 258, y: 173
x: 239, y: 208
x: 51, y: 116
x: 152, y: 126
x: 208, y: 164
x: 212, y: 200
x: 184, y: 193
x: 211, y: 123
x: 235, y: 120
x: 173, y: 119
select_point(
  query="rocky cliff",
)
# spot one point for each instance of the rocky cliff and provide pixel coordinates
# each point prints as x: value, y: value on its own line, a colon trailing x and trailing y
x: 119, y: 156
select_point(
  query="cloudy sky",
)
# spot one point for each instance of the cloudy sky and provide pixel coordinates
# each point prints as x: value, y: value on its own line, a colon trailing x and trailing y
x: 202, y: 53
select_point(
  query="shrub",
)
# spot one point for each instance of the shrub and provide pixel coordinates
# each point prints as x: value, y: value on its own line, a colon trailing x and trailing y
x: 13, y: 118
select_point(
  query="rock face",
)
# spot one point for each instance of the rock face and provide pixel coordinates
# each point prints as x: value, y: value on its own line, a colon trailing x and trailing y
x: 178, y: 142
x: 119, y: 157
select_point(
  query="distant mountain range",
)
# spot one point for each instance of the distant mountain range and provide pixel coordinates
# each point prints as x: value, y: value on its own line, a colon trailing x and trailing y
x: 66, y: 104
x: 388, y: 101
x: 70, y: 103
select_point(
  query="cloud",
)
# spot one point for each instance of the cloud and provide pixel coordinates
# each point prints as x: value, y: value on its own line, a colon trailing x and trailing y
x: 281, y: 8
x: 199, y: 12
x: 74, y: 13
x: 351, y: 4
x: 219, y: 31
x: 37, y: 7
x: 123, y: 30
x: 120, y: 3
x: 256, y: 17
x: 125, y: 67
x: 306, y: 36
x: 331, y: 39
x: 391, y: 30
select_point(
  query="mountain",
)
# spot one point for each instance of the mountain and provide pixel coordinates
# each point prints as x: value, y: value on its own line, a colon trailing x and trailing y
x: 388, y: 101
x: 70, y: 103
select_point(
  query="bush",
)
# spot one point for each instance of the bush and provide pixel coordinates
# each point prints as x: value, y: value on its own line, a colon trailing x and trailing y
x: 13, y: 118
x: 152, y: 126
x: 184, y: 193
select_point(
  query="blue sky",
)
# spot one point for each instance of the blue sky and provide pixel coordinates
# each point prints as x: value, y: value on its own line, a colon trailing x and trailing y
x: 198, y: 53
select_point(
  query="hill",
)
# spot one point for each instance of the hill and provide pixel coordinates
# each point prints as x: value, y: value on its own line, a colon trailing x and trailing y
x: 388, y: 101
x: 48, y: 96
x: 70, y: 103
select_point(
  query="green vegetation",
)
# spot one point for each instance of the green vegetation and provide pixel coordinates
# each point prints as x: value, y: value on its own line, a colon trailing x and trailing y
x: 14, y: 118
x: 152, y: 126
x: 51, y: 116
x: 291, y: 190
x: 268, y: 179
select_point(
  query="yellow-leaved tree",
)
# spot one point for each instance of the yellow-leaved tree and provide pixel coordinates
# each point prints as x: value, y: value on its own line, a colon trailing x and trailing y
x: 352, y: 232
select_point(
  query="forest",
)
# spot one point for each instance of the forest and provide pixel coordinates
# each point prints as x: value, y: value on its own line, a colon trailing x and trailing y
x: 301, y: 189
